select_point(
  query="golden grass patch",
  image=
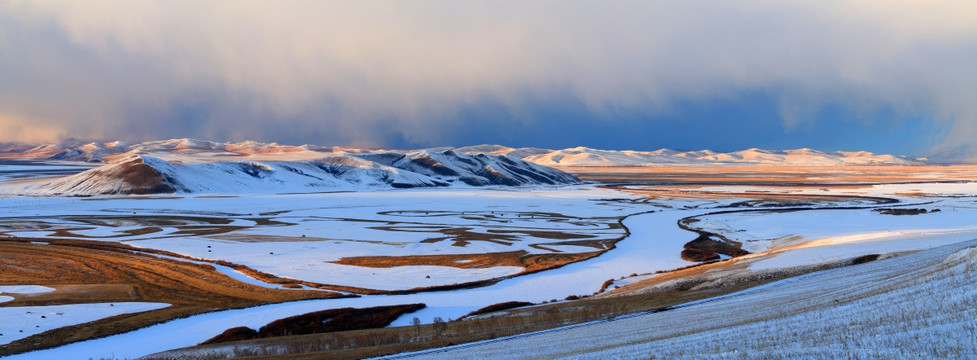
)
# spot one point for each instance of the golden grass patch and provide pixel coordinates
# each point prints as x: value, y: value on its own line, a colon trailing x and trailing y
x: 87, y: 271
x: 521, y: 258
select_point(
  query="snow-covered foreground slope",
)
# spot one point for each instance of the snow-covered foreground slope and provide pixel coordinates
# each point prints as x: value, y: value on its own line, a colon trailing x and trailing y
x: 920, y: 305
x: 766, y: 230
x: 140, y: 174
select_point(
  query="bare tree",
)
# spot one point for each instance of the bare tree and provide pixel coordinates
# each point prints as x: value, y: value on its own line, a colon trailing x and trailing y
x: 417, y: 327
x: 439, y: 326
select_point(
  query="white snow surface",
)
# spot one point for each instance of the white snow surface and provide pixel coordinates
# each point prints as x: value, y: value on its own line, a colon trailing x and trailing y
x: 840, y: 248
x: 18, y: 322
x: 654, y: 245
x: 24, y: 289
x: 359, y: 223
x: 921, y: 305
x: 336, y: 225
x: 767, y: 230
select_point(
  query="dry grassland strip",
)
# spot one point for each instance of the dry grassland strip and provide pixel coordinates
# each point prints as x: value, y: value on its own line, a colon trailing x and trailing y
x: 85, y: 272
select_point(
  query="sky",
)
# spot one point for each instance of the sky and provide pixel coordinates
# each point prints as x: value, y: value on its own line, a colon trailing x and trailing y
x: 885, y: 76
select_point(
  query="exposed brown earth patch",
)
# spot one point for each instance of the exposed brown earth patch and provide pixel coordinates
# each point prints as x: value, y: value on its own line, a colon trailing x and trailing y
x: 140, y: 178
x: 698, y: 255
x: 706, y: 248
x: 708, y: 245
x: 83, y: 272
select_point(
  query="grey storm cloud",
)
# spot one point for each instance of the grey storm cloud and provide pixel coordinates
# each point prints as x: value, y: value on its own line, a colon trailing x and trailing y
x: 354, y: 71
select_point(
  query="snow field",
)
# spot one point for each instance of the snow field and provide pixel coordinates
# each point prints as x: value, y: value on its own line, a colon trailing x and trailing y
x: 18, y: 322
x: 920, y: 305
x: 654, y: 244
x: 335, y: 225
x: 761, y: 230
x: 21, y: 289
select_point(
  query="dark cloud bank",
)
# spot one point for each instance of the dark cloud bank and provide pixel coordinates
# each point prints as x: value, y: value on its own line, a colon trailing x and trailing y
x: 874, y: 75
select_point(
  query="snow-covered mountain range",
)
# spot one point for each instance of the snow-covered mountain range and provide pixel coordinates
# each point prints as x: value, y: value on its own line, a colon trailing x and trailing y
x: 142, y: 174
x: 197, y: 151
x: 182, y: 150
x: 197, y: 166
x: 582, y: 156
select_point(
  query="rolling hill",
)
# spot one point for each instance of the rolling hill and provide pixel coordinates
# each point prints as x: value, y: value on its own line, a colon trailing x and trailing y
x: 141, y: 174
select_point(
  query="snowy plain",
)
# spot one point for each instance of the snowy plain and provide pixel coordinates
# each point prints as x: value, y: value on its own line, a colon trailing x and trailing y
x: 304, y: 231
x: 574, y: 279
x: 654, y: 243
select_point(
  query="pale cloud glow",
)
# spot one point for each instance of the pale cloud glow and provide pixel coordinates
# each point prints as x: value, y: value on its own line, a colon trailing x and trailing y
x: 360, y: 72
x: 29, y: 131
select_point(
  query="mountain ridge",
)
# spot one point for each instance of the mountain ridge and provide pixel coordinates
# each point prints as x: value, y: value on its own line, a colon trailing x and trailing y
x: 195, y: 151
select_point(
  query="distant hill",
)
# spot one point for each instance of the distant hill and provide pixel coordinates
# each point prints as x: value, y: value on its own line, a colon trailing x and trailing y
x: 199, y: 151
x: 142, y: 174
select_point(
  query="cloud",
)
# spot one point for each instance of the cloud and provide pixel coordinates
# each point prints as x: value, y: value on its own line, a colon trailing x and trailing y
x: 27, y: 131
x: 367, y: 72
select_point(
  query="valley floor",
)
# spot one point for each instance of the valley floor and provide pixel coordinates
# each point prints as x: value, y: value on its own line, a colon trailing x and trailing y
x: 411, y: 246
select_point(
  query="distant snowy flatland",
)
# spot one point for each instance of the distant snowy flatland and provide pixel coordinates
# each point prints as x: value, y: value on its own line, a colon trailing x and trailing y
x: 581, y: 156
x: 192, y: 151
x: 140, y: 174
